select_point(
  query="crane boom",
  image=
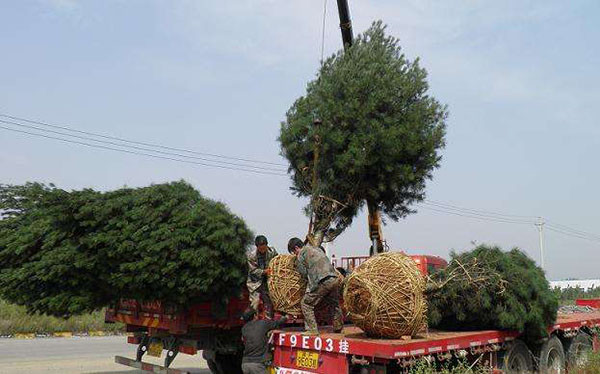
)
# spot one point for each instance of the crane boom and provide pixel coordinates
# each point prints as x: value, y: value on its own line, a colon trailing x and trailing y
x: 345, y: 23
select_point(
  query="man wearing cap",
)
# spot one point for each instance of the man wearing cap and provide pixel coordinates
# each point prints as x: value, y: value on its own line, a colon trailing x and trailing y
x: 258, y: 262
x: 323, y: 284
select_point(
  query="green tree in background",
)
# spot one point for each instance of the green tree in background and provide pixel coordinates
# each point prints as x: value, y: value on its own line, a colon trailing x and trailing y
x: 380, y: 136
x: 65, y: 253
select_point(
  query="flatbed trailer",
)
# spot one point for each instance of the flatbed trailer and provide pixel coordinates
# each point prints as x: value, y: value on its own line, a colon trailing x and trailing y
x: 159, y: 331
x: 353, y: 352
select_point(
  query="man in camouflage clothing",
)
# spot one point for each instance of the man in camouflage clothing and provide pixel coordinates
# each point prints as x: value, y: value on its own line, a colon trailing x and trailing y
x: 323, y: 284
x: 258, y: 261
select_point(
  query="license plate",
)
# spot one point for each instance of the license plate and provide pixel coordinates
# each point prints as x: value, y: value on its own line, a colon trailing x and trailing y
x: 155, y: 349
x: 309, y: 360
x: 290, y: 371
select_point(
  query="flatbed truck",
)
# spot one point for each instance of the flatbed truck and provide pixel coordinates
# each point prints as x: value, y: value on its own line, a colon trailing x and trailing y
x: 352, y: 352
x: 156, y: 331
x: 216, y: 332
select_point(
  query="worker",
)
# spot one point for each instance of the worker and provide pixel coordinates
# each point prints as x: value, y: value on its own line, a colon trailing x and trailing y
x: 323, y: 284
x: 258, y: 262
x: 256, y: 342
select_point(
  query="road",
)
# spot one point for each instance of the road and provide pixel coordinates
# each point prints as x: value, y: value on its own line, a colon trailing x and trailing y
x: 89, y: 355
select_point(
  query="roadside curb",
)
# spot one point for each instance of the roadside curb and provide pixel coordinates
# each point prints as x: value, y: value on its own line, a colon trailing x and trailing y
x: 61, y: 334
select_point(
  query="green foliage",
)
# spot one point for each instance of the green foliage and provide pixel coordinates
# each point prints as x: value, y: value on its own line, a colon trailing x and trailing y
x: 381, y: 132
x: 591, y: 365
x: 65, y: 253
x: 570, y: 294
x: 453, y: 366
x: 519, y: 298
x: 15, y: 320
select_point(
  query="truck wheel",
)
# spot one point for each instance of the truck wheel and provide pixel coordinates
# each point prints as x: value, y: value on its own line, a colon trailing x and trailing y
x: 578, y: 349
x: 516, y: 359
x: 552, y: 357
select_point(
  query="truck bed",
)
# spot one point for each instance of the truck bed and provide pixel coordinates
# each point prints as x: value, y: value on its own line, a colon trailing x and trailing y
x: 352, y: 341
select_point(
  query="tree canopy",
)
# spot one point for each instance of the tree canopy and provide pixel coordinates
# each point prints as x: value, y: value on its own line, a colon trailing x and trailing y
x: 380, y: 134
x: 65, y: 253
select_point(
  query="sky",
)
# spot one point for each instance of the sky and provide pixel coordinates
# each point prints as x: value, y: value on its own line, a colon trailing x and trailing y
x: 520, y: 80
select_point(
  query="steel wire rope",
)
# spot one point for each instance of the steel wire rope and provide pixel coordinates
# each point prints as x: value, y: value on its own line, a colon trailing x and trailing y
x: 139, y: 153
x: 138, y: 142
x: 138, y: 148
x: 323, y: 30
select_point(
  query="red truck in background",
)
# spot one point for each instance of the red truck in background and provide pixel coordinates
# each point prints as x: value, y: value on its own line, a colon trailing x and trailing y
x: 426, y: 264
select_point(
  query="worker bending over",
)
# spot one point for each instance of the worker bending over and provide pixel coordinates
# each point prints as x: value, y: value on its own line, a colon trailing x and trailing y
x: 323, y: 284
x: 258, y: 262
x: 256, y: 342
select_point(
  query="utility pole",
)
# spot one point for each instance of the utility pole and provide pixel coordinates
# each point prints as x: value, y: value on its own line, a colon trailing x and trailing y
x: 540, y: 225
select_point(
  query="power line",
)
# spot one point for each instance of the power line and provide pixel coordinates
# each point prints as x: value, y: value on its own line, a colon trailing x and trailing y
x: 499, y: 217
x: 569, y: 229
x: 573, y: 235
x: 432, y: 205
x: 138, y: 142
x: 472, y: 213
x: 483, y: 212
x: 140, y: 153
x: 478, y: 217
x: 139, y: 148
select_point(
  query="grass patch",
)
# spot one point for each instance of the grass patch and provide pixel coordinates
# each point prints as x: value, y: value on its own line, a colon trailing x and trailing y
x: 14, y: 320
x: 592, y: 366
x: 452, y: 367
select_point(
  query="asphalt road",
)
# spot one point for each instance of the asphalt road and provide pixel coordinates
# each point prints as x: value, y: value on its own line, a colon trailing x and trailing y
x: 93, y: 355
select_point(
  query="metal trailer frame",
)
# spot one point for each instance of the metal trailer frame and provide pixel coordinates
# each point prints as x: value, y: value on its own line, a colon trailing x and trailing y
x: 341, y: 353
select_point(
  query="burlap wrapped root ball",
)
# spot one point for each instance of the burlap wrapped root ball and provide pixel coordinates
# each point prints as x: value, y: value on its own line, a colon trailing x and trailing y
x: 286, y: 286
x: 384, y: 296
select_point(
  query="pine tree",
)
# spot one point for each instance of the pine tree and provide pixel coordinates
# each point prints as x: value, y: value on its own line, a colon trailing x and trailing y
x: 65, y: 253
x: 510, y: 292
x: 379, y: 137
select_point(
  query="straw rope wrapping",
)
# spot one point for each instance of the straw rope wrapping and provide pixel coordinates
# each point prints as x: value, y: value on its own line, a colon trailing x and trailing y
x: 384, y: 296
x: 286, y: 286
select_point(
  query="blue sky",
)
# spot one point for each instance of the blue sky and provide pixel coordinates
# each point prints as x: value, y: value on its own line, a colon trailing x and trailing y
x: 520, y: 79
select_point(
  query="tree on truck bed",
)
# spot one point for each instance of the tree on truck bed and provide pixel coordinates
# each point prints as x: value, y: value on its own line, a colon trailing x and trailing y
x: 71, y: 252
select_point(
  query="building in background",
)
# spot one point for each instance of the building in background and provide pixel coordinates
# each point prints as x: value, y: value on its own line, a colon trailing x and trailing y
x: 585, y: 284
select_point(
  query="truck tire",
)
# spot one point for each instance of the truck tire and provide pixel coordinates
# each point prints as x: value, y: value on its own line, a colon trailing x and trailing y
x: 552, y: 357
x: 517, y: 359
x: 577, y: 350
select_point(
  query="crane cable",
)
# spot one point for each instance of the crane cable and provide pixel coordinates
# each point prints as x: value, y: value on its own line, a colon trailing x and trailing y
x: 323, y: 30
